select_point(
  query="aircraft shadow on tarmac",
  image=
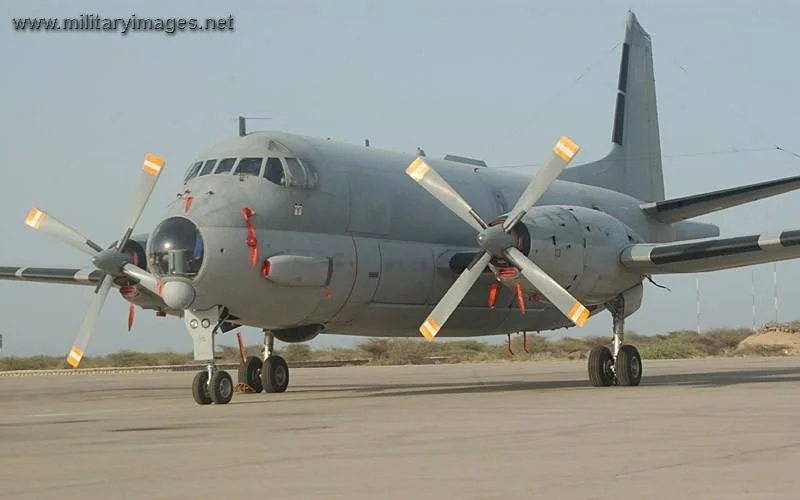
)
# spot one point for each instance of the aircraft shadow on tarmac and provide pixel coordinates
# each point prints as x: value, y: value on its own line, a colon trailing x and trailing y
x: 694, y: 380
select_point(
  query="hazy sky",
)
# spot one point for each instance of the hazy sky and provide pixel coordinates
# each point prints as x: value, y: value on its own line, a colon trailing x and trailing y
x: 494, y: 80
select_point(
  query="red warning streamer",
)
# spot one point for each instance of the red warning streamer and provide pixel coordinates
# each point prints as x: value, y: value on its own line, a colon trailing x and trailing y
x: 492, y: 295
x: 251, y: 240
x: 520, y: 298
x: 130, y: 317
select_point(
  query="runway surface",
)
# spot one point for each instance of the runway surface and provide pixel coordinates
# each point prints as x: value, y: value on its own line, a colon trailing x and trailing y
x: 694, y: 429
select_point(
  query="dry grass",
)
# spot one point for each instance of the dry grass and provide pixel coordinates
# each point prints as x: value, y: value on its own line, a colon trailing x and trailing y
x: 379, y: 351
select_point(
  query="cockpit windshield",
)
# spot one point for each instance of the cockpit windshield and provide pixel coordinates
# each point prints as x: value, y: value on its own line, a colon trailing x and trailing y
x: 249, y: 166
x: 282, y: 171
x: 192, y: 171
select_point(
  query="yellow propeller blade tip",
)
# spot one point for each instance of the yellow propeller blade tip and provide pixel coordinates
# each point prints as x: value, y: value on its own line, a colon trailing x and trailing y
x: 34, y: 218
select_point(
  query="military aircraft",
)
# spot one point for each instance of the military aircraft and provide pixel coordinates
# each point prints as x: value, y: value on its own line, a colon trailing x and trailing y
x: 298, y: 236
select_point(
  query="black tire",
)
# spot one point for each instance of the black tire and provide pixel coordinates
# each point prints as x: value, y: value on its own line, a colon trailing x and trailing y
x: 601, y: 363
x: 221, y: 387
x: 275, y: 374
x: 250, y: 373
x: 200, y: 388
x: 629, y: 366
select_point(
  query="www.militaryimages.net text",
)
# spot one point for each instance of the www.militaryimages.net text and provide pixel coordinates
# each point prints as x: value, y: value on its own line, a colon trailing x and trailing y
x: 122, y: 25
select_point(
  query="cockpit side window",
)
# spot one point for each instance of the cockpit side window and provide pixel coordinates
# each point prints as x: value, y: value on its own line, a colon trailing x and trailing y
x: 207, y: 167
x: 225, y: 165
x: 274, y: 171
x: 297, y: 174
x: 192, y: 171
x: 249, y: 166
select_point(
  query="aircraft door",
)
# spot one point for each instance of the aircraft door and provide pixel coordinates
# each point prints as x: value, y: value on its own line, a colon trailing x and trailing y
x: 366, y: 265
x: 406, y: 273
x: 332, y: 299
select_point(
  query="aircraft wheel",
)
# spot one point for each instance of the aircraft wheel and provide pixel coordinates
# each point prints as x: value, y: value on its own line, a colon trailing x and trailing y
x: 601, y: 366
x: 275, y: 374
x: 200, y: 388
x: 629, y: 366
x: 250, y: 373
x: 221, y: 387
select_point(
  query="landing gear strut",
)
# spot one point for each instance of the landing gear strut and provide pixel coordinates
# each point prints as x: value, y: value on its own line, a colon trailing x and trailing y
x: 211, y: 385
x: 623, y: 366
x: 274, y: 370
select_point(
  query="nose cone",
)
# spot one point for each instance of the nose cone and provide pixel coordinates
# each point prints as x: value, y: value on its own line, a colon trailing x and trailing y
x: 177, y: 294
x: 175, y: 248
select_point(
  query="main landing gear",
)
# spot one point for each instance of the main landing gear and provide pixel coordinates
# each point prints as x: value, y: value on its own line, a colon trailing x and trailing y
x: 213, y: 385
x: 270, y: 374
x: 624, y: 365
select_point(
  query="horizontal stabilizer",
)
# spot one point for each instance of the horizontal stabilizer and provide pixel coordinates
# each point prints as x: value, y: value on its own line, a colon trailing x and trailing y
x: 711, y: 254
x: 677, y: 209
x: 52, y: 275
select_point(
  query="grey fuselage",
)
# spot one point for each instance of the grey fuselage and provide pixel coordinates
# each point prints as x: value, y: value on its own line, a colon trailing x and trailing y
x: 385, y: 248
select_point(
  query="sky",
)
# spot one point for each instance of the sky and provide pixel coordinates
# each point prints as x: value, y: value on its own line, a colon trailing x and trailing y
x: 494, y: 80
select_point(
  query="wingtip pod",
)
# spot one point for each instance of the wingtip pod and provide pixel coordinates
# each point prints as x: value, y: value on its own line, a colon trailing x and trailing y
x: 34, y: 218
x: 565, y: 148
x: 152, y: 164
x: 74, y: 357
x: 417, y: 169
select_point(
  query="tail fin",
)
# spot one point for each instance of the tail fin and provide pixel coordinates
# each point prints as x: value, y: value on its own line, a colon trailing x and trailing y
x: 633, y: 166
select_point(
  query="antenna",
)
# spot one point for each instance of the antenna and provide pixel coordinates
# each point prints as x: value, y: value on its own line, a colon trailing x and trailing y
x: 753, y: 291
x: 697, y: 286
x: 775, y: 287
x: 242, y: 123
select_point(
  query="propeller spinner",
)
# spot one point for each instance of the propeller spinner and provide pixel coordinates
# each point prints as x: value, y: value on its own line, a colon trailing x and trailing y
x: 497, y: 241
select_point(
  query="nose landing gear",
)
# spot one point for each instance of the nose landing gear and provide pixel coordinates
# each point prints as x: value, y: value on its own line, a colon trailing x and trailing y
x: 211, y: 385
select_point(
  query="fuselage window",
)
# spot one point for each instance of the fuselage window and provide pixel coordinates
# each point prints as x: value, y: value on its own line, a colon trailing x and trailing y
x: 249, y: 166
x: 225, y: 165
x: 274, y: 171
x: 208, y: 167
x: 297, y: 174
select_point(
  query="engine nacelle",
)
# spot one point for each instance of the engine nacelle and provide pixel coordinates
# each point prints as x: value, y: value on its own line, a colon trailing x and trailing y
x: 135, y: 250
x: 298, y: 334
x: 580, y: 248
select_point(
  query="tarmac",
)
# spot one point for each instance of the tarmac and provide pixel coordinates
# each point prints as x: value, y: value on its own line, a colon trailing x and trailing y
x: 704, y: 429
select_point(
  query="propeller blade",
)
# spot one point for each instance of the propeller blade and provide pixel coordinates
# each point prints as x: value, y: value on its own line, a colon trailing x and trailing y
x: 562, y: 154
x: 453, y: 297
x: 89, y: 319
x: 151, y: 171
x: 549, y: 287
x: 427, y: 177
x: 41, y: 221
x: 145, y: 279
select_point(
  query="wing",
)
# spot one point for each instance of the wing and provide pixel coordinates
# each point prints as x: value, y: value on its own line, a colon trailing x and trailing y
x: 711, y: 254
x: 52, y: 275
x: 688, y: 207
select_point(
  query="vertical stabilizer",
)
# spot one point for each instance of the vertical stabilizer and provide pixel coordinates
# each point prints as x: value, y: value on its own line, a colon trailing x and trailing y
x: 633, y: 166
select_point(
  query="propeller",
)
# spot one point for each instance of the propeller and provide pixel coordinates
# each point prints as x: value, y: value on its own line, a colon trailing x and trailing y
x: 497, y: 240
x: 112, y: 262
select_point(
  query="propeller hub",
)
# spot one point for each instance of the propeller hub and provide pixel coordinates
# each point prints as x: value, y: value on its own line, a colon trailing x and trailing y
x: 110, y: 261
x: 177, y: 294
x: 494, y: 240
